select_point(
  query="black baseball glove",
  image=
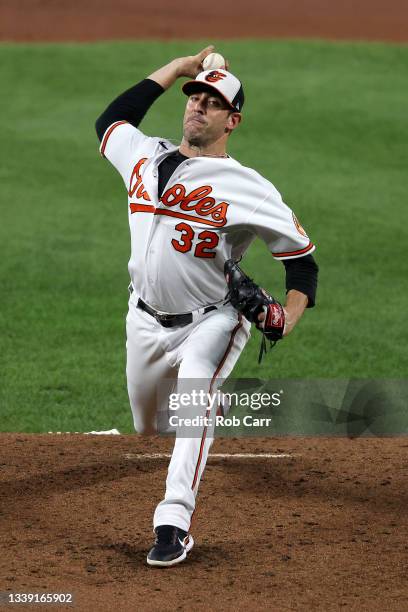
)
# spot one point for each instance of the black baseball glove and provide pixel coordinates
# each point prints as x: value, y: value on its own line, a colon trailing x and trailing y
x: 250, y: 299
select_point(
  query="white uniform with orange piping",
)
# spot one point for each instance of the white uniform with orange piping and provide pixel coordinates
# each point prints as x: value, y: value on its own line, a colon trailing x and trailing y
x: 211, y: 210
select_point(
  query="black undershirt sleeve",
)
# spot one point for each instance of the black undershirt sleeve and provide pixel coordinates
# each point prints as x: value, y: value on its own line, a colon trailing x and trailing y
x: 131, y: 106
x: 301, y: 274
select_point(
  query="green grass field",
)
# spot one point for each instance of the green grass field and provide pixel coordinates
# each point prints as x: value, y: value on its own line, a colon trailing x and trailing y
x: 326, y: 123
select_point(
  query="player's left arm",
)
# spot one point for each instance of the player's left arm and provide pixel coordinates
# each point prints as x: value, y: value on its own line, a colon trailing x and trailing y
x: 294, y: 308
x: 301, y: 287
x: 276, y: 224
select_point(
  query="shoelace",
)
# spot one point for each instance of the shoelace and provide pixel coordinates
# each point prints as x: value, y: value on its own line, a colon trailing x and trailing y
x: 167, y: 536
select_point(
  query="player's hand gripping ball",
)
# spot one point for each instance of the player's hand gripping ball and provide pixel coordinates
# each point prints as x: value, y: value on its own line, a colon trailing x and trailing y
x: 214, y: 61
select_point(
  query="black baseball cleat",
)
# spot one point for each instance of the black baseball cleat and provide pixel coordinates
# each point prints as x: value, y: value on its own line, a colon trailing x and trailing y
x: 171, y: 546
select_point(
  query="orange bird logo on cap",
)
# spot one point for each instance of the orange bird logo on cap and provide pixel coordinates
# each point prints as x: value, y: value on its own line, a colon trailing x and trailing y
x: 214, y: 76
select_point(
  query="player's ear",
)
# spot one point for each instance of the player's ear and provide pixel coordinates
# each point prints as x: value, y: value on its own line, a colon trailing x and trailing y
x: 234, y: 119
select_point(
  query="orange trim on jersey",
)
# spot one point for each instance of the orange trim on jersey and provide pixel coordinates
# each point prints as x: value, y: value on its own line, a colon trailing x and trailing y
x: 217, y: 371
x: 292, y: 253
x: 108, y: 133
x: 175, y: 213
x: 149, y: 208
x: 134, y: 208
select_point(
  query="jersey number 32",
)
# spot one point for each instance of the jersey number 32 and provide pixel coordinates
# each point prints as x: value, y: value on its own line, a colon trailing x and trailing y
x: 206, y: 241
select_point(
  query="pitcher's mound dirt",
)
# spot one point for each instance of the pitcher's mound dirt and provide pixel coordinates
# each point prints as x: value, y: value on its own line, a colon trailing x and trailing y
x: 323, y: 529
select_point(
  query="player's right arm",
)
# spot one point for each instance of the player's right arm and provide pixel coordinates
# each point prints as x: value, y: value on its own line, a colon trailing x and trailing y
x: 132, y: 105
x: 117, y: 126
x: 189, y: 66
x: 122, y: 143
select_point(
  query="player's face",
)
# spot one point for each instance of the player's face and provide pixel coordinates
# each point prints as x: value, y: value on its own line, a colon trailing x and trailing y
x: 207, y: 118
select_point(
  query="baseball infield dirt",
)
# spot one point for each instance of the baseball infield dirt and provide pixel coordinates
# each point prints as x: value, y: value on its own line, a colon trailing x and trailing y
x: 321, y: 529
x: 32, y: 20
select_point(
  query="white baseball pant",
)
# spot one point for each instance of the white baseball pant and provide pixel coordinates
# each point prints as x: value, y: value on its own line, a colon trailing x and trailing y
x: 203, y: 352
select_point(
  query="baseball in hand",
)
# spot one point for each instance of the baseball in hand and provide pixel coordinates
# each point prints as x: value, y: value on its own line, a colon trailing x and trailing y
x: 213, y: 61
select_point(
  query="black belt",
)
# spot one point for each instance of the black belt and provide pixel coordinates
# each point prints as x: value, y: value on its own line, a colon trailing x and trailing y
x: 171, y: 320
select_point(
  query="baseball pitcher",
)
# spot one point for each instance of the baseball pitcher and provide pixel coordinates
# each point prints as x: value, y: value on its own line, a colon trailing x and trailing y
x: 193, y: 212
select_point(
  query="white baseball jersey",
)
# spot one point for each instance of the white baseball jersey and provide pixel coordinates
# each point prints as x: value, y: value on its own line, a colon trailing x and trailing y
x: 211, y: 210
